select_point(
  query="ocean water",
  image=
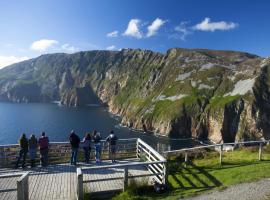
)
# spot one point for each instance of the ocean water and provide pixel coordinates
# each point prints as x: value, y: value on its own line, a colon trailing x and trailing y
x: 57, y: 121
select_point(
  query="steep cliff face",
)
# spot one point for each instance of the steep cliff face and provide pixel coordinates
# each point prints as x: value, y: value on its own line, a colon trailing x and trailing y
x: 220, y: 95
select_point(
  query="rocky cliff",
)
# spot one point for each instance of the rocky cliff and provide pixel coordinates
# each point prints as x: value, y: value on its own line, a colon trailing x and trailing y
x: 220, y: 95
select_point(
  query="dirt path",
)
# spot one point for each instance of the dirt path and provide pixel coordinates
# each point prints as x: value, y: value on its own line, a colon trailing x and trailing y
x: 259, y: 190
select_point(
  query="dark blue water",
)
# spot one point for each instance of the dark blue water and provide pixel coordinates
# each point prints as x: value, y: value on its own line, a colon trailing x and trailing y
x: 58, y: 121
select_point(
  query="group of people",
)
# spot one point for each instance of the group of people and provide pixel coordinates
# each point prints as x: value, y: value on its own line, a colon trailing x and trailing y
x: 31, y: 145
x: 87, y: 146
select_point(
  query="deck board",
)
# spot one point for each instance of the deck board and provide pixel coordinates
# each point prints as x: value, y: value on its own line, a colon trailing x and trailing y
x: 58, y: 182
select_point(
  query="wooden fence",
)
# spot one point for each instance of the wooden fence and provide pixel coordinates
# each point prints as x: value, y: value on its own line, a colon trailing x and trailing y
x: 22, y: 185
x: 187, y: 152
x: 149, y: 158
x: 59, y: 152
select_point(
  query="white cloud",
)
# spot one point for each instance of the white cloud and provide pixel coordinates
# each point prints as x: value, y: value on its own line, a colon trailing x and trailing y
x: 153, y: 28
x: 182, y: 31
x: 112, y: 47
x: 43, y: 45
x: 133, y: 29
x: 207, y: 25
x: 8, y: 60
x: 112, y: 34
x: 69, y: 48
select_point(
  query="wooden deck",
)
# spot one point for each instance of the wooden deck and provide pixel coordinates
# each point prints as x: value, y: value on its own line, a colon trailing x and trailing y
x: 59, y: 181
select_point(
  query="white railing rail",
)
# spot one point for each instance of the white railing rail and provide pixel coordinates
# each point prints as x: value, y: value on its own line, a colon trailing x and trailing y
x: 146, y: 152
x: 217, y: 147
x: 22, y: 187
x: 59, y: 152
x: 155, y: 163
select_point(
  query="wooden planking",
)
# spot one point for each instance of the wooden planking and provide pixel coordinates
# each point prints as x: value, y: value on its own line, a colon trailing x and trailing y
x: 111, y: 185
x: 52, y: 182
x: 59, y: 181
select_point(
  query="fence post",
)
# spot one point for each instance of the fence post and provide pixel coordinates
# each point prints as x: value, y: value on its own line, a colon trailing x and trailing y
x: 260, y: 152
x: 79, y: 184
x: 137, y: 148
x: 220, y: 153
x: 165, y: 174
x: 186, y: 157
x: 22, y: 187
x: 125, y: 181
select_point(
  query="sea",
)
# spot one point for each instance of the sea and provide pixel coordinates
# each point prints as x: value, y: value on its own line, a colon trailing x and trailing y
x: 58, y: 121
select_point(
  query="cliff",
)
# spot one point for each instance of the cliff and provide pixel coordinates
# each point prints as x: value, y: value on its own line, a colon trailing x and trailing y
x: 220, y: 95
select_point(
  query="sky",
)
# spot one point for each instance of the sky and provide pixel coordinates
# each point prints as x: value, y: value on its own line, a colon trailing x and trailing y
x: 29, y: 28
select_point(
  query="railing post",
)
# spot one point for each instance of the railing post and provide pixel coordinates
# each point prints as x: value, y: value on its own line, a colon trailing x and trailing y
x: 186, y: 157
x: 125, y: 178
x: 220, y: 154
x: 22, y: 187
x: 79, y: 184
x: 260, y: 152
x: 165, y: 174
x: 137, y: 148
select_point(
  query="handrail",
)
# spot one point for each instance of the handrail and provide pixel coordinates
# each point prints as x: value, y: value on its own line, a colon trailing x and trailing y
x: 23, y: 187
x: 65, y: 142
x: 11, y: 175
x: 213, y: 145
x: 124, y: 165
x: 151, y: 149
x: 155, y: 163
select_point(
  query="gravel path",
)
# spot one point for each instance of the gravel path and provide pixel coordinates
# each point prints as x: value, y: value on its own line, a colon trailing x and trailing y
x: 246, y: 191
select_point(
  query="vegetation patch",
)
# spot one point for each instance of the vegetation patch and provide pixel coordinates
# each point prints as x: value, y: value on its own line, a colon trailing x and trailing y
x: 204, y: 173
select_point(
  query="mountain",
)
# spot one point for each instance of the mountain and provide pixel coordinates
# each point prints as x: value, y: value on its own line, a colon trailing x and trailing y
x: 219, y: 95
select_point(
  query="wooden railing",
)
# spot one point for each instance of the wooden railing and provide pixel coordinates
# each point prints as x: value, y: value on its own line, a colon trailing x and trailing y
x: 149, y: 158
x: 59, y: 152
x: 22, y: 185
x: 187, y: 152
x: 147, y: 153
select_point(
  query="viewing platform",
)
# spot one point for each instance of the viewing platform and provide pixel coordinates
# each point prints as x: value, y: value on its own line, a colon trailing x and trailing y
x: 136, y: 160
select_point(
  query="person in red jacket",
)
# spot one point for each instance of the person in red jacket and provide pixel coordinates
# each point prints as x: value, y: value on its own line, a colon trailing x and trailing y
x: 44, y: 149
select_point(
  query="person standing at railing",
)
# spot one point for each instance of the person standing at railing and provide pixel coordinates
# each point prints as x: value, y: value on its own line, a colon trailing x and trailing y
x: 111, y: 140
x: 44, y: 149
x: 23, y: 142
x: 97, y: 142
x: 87, y: 147
x: 75, y: 143
x: 32, y: 149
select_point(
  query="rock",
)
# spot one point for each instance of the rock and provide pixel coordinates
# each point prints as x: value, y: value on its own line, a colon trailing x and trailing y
x: 208, y: 94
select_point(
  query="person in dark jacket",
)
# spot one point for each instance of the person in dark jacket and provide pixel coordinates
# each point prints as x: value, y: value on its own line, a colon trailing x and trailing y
x: 87, y: 147
x: 32, y: 149
x: 111, y: 139
x: 97, y: 142
x: 23, y: 142
x: 75, y: 143
x: 43, y: 142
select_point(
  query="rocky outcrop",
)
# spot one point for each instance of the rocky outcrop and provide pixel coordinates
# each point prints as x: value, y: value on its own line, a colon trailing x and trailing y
x: 207, y: 94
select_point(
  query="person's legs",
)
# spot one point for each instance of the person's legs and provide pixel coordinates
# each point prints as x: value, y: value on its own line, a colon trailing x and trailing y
x: 46, y: 155
x: 75, y: 156
x: 24, y: 158
x: 32, y: 155
x: 86, y: 154
x: 113, y: 152
x: 42, y: 157
x: 19, y: 158
x: 72, y: 156
x: 99, y: 153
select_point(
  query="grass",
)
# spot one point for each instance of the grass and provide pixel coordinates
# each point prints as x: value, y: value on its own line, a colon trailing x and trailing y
x: 205, y: 174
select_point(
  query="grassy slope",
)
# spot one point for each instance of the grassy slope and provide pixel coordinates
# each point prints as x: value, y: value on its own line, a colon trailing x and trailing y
x: 206, y: 174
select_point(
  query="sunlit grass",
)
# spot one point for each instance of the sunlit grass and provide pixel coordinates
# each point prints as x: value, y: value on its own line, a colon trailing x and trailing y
x: 206, y: 174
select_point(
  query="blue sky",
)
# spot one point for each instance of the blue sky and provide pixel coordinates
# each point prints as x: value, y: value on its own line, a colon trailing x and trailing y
x: 29, y: 28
